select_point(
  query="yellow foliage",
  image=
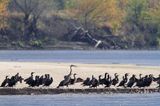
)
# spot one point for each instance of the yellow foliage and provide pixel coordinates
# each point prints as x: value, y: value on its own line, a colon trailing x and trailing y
x: 101, y: 12
x: 154, y: 12
x: 3, y: 12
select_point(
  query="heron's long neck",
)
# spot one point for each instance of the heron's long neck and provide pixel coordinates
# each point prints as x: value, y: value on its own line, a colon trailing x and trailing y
x: 70, y: 71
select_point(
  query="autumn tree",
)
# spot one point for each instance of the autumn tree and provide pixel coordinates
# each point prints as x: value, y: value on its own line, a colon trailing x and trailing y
x: 31, y: 11
x: 3, y: 13
x: 98, y: 12
x: 136, y: 10
x: 153, y: 24
x: 142, y: 19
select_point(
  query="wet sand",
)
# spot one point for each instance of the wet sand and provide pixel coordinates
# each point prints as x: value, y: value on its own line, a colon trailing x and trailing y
x: 52, y: 91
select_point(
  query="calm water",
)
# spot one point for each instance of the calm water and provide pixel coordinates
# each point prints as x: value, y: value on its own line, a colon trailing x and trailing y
x: 83, y: 100
x: 116, y: 57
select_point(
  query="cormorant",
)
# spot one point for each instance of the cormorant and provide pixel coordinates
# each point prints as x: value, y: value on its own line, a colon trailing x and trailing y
x: 149, y: 80
x: 79, y: 80
x: 104, y: 79
x: 144, y: 81
x: 74, y: 80
x: 87, y: 82
x: 11, y: 82
x: 30, y: 81
x: 139, y: 82
x: 94, y: 82
x: 124, y: 81
x: 132, y: 81
x: 41, y: 80
x: 18, y: 78
x: 108, y: 81
x: 158, y: 81
x: 36, y: 81
x: 4, y: 83
x: 48, y: 81
x: 100, y: 80
x: 115, y: 81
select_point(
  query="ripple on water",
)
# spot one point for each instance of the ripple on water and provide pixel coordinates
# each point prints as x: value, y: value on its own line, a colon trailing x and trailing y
x: 82, y: 100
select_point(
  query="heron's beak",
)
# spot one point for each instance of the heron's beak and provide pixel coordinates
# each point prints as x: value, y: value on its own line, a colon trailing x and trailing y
x: 73, y: 66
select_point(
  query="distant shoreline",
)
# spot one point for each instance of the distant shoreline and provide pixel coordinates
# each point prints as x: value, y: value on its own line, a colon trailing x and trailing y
x: 63, y: 45
x: 80, y: 48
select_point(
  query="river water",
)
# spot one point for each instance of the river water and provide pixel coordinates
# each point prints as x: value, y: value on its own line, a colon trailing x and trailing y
x: 82, y: 100
x: 111, y: 57
x: 100, y: 57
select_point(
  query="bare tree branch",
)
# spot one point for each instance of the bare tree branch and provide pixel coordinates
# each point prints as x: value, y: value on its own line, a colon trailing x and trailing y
x: 19, y: 6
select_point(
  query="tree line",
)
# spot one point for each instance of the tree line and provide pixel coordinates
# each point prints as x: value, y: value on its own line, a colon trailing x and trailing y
x: 45, y: 22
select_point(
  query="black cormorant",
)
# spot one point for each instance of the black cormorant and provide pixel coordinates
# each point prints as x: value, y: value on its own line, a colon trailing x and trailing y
x: 4, y: 83
x: 87, y: 82
x: 115, y: 81
x: 124, y: 81
x: 132, y: 81
x: 94, y: 82
x: 74, y: 80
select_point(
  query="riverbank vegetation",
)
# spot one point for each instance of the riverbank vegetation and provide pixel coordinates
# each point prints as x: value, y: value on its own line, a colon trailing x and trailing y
x: 50, y: 24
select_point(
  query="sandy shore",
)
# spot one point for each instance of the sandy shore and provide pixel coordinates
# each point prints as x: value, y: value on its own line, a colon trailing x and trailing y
x: 58, y: 70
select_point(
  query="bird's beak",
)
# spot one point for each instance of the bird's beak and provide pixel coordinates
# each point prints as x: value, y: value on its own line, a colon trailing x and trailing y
x: 73, y: 66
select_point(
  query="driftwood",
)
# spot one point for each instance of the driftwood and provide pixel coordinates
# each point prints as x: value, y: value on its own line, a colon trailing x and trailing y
x: 84, y: 36
x: 107, y: 42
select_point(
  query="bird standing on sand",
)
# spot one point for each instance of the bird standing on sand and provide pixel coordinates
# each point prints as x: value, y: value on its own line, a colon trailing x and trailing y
x: 115, y: 80
x: 48, y: 80
x: 100, y: 80
x: 30, y: 81
x: 132, y: 81
x: 87, y: 82
x: 94, y: 82
x: 103, y: 81
x: 124, y: 81
x: 158, y: 81
x: 67, y: 78
x: 4, y: 83
x: 73, y: 81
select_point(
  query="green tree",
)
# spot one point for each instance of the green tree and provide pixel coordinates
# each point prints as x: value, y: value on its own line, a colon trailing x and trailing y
x: 154, y: 21
x: 31, y: 11
x: 136, y: 11
x: 60, y: 4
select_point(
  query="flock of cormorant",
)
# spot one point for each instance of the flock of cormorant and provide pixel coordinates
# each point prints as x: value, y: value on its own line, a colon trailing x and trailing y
x: 44, y: 80
x: 106, y: 81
